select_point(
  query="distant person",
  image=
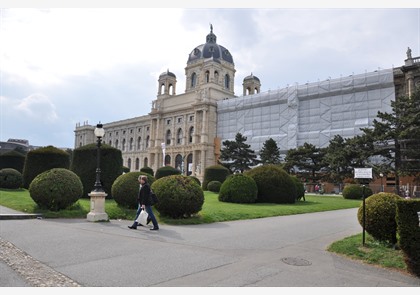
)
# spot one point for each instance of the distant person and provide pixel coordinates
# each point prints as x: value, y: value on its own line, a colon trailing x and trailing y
x: 135, y: 223
x: 144, y: 199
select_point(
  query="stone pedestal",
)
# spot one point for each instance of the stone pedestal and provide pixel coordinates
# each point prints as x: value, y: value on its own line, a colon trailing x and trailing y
x: 97, y: 207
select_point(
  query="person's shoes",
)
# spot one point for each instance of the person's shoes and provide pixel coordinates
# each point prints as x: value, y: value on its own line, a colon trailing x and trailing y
x: 148, y: 221
x: 154, y: 228
x: 132, y: 227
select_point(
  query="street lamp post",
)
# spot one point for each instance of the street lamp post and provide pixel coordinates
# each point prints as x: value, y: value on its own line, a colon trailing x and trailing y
x: 97, y: 196
x: 382, y: 186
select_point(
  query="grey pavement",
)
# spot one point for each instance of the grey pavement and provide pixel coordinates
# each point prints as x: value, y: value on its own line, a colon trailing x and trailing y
x: 284, y: 251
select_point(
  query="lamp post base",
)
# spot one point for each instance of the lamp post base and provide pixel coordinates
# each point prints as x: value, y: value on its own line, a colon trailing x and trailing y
x: 97, y: 207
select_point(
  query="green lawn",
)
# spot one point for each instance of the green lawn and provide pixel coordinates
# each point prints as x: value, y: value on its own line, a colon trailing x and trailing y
x: 213, y: 210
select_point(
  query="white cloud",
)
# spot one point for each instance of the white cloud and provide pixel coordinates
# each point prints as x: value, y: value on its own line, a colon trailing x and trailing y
x: 36, y: 106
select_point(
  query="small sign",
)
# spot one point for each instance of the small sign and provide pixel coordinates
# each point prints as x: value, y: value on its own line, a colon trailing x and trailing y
x: 362, y: 172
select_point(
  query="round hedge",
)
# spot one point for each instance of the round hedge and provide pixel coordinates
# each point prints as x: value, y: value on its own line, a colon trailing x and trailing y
x: 300, y: 188
x: 10, y: 178
x: 380, y: 220
x: 166, y: 171
x: 355, y: 191
x: 214, y: 186
x: 125, y: 189
x: 238, y: 188
x: 179, y: 196
x: 56, y: 189
x: 215, y: 172
x: 274, y: 184
x: 196, y: 179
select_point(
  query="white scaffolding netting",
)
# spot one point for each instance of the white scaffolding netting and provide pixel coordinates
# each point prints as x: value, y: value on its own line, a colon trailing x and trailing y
x: 311, y: 113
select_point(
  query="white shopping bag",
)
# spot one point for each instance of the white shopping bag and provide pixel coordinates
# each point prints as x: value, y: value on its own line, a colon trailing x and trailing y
x: 142, y: 219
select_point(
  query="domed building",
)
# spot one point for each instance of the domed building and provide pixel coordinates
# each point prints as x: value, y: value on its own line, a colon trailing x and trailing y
x: 185, y: 130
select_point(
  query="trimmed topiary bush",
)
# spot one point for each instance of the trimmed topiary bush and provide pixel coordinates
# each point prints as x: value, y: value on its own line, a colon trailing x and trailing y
x: 274, y: 184
x: 12, y: 159
x: 300, y: 188
x: 238, y: 188
x: 147, y: 170
x: 179, y: 196
x: 196, y: 179
x: 215, y: 172
x: 56, y: 189
x: 214, y: 186
x: 125, y: 189
x: 10, y: 178
x: 84, y: 165
x: 355, y: 191
x: 125, y: 169
x: 43, y: 159
x: 380, y: 220
x: 166, y: 171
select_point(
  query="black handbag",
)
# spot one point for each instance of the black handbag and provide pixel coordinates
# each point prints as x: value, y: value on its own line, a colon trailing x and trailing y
x: 153, y: 198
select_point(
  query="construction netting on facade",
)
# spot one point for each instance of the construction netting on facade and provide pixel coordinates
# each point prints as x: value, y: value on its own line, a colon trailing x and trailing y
x: 312, y: 113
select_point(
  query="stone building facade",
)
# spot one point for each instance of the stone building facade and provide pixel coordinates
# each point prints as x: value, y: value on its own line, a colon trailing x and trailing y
x: 186, y: 130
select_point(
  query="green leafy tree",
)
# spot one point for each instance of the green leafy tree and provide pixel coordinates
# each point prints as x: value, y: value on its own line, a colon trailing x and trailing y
x: 396, y: 136
x: 236, y: 155
x: 308, y: 159
x: 270, y: 153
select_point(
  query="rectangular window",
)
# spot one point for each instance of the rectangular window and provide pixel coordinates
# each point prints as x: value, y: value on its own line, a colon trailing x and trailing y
x: 168, y: 121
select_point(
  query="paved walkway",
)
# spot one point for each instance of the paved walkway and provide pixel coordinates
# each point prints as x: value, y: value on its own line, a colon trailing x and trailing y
x: 285, y: 251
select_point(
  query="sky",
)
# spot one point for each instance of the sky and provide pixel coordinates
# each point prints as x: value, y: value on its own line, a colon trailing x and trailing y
x: 63, y: 66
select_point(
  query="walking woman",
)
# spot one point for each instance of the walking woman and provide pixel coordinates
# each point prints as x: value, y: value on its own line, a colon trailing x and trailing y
x: 144, y: 200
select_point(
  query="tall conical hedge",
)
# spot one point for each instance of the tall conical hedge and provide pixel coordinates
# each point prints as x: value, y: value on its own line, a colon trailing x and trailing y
x: 43, y: 159
x: 12, y: 159
x: 84, y: 164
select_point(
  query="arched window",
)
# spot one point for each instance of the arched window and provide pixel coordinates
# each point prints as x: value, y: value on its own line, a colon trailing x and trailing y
x: 178, y: 163
x: 207, y: 76
x: 167, y: 160
x: 137, y: 164
x: 131, y: 143
x: 129, y: 163
x: 179, y: 136
x: 116, y: 143
x: 193, y: 80
x: 146, y: 162
x: 171, y: 89
x: 123, y: 145
x: 216, y: 77
x: 147, y: 141
x: 168, y: 137
x: 162, y: 89
x: 110, y: 143
x: 189, y: 164
x: 139, y: 143
x: 190, y: 135
x: 227, y: 81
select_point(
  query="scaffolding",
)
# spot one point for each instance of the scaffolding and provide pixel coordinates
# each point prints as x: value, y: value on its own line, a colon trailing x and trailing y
x: 312, y: 113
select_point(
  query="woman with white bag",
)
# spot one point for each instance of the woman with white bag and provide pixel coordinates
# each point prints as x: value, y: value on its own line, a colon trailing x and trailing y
x: 144, y: 200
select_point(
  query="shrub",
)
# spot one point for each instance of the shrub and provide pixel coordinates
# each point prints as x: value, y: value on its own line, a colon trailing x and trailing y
x: 12, y: 159
x: 125, y: 169
x: 380, y: 210
x: 300, y: 188
x: 56, y: 189
x: 166, y: 171
x: 43, y: 159
x: 10, y: 178
x: 125, y: 189
x: 147, y: 170
x: 214, y: 186
x: 215, y: 172
x: 238, y: 188
x: 196, y: 179
x: 274, y: 184
x: 84, y: 165
x: 355, y: 191
x: 179, y: 196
